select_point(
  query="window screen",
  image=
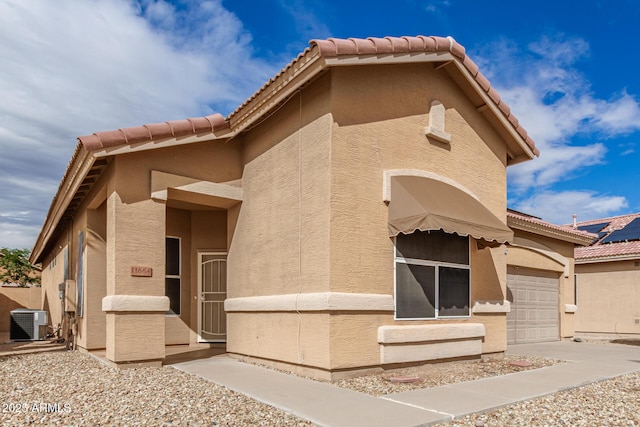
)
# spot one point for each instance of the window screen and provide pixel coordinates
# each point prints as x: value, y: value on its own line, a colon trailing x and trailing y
x: 432, y: 275
x: 172, y: 274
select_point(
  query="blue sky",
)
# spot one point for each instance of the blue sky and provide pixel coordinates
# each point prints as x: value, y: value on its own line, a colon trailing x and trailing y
x: 69, y: 68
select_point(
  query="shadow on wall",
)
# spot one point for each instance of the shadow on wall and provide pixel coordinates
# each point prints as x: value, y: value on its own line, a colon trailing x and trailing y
x: 12, y: 298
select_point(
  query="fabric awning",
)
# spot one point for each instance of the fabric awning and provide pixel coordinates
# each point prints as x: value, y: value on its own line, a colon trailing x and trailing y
x: 419, y: 203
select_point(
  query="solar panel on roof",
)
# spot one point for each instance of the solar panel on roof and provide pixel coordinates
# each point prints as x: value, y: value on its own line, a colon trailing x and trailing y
x: 593, y: 228
x: 630, y: 232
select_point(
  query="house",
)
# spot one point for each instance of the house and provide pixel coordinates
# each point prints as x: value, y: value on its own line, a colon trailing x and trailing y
x: 608, y: 278
x: 540, y: 279
x: 350, y: 215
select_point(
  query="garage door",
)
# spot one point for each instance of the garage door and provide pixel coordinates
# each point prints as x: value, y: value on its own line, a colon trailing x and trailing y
x: 534, y: 306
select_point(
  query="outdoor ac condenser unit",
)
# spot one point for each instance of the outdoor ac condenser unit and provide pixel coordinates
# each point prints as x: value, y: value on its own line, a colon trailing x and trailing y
x: 28, y: 325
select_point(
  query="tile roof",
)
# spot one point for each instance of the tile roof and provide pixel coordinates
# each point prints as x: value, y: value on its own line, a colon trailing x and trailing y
x: 599, y: 250
x: 329, y: 48
x: 410, y: 45
x: 561, y: 229
x: 155, y: 131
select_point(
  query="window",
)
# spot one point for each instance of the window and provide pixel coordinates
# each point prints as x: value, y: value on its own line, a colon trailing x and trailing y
x: 432, y: 275
x: 172, y: 274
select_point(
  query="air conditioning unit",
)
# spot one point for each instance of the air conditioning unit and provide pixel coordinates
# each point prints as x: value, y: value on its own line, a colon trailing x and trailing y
x: 28, y: 325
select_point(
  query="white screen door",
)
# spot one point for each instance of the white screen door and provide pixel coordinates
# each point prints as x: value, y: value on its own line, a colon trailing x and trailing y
x: 212, y: 290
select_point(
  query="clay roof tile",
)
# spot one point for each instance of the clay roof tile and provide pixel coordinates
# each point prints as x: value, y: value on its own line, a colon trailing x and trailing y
x: 400, y: 44
x: 382, y: 45
x: 416, y: 44
x: 363, y: 46
x: 494, y: 95
x: 159, y: 130
x: 180, y: 127
x: 471, y: 66
x: 200, y: 125
x: 111, y: 138
x: 90, y: 142
x: 429, y: 43
x: 456, y: 48
x: 136, y: 134
x: 344, y: 46
x: 483, y: 82
x: 326, y: 47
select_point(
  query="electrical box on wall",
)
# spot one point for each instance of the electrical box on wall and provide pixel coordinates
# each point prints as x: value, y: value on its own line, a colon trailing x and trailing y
x: 70, y: 295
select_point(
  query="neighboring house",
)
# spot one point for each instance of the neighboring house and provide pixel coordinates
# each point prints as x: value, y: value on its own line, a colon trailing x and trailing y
x: 540, y: 282
x: 608, y: 278
x: 348, y: 216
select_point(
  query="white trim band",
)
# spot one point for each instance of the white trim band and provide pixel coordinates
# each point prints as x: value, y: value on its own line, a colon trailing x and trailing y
x: 426, y: 333
x: 322, y: 301
x: 135, y: 303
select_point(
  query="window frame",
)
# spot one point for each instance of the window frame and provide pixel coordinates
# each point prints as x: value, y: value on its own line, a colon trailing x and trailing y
x: 170, y: 313
x: 436, y: 264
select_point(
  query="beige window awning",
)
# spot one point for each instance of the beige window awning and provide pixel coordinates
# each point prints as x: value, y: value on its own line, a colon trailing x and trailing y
x: 420, y: 203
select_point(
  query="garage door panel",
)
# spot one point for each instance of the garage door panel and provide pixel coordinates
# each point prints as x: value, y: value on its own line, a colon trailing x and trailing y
x: 534, y: 307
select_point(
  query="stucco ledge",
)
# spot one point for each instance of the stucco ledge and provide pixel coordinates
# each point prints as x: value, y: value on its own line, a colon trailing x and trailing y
x: 570, y: 308
x: 135, y: 303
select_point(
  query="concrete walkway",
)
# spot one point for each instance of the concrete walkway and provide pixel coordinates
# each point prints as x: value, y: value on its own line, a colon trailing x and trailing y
x: 328, y: 405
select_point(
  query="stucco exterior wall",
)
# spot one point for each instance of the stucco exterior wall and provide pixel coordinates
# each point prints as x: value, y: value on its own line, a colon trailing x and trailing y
x: 52, y: 275
x: 281, y: 238
x: 608, y: 298
x: 383, y: 129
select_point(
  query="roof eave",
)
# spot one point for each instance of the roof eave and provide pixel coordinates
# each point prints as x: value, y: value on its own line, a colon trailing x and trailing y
x: 607, y: 258
x: 80, y: 165
x: 541, y: 230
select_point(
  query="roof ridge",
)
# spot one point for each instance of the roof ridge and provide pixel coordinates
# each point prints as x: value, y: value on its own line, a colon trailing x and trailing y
x: 607, y: 219
x: 328, y: 48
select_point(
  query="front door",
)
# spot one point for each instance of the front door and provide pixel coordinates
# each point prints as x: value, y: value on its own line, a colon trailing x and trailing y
x: 212, y: 290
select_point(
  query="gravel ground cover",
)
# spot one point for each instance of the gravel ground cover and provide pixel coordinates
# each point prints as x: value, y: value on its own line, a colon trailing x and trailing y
x: 73, y: 389
x: 437, y: 374
x: 615, y: 402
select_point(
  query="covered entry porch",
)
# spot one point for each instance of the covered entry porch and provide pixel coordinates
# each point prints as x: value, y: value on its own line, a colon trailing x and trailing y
x: 182, y: 303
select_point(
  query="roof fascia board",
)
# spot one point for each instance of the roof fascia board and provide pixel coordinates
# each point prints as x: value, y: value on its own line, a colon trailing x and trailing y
x: 83, y: 162
x: 541, y: 230
x: 280, y: 90
x: 166, y: 143
x: 391, y: 58
x: 607, y: 258
x: 498, y: 114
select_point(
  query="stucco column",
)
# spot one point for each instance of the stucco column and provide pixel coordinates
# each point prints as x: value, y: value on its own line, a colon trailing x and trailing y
x: 135, y: 304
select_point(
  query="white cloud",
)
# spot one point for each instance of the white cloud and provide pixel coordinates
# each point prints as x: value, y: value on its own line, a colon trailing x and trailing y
x: 307, y: 24
x: 70, y: 68
x: 434, y: 6
x: 555, y: 103
x: 558, y: 207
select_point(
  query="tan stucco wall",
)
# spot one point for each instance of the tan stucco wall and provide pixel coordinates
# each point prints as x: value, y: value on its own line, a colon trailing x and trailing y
x: 608, y: 298
x: 52, y: 275
x: 274, y: 336
x: 383, y: 129
x: 333, y: 235
x: 546, y: 254
x: 281, y: 238
x: 12, y: 298
x: 312, y: 219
